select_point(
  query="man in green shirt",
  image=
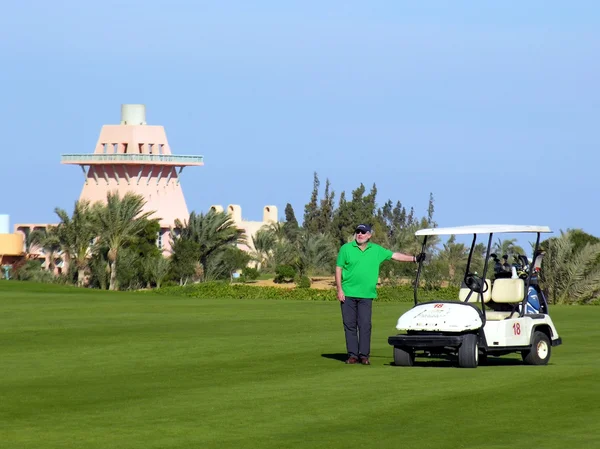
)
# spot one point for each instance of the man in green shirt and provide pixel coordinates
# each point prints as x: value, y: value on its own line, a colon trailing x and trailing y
x: 356, y: 275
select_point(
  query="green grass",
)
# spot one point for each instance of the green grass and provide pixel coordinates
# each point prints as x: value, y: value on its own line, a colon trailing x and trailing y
x: 89, y: 369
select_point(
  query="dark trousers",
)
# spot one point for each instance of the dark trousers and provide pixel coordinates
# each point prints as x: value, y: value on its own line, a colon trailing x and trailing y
x: 356, y: 315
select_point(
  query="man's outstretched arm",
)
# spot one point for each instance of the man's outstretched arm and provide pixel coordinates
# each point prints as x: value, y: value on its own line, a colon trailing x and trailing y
x: 401, y: 257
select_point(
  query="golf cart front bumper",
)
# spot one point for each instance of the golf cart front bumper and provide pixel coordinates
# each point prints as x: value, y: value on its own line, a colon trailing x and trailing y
x: 425, y: 341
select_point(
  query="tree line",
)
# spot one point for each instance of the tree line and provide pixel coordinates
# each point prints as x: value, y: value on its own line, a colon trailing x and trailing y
x: 113, y: 245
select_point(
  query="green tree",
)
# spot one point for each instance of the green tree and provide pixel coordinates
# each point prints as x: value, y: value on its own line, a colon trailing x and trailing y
x: 157, y: 269
x: 478, y: 261
x: 311, y: 210
x: 284, y: 253
x: 184, y: 258
x: 49, y: 242
x: 129, y: 272
x: 290, y: 226
x: 263, y: 241
x: 119, y: 222
x: 507, y: 247
x: 99, y: 267
x: 570, y: 272
x: 361, y: 209
x: 343, y: 226
x: 430, y: 211
x: 578, y: 237
x: 148, y: 252
x: 314, y: 253
x: 224, y: 262
x: 393, y: 219
x: 454, y: 255
x: 76, y: 233
x: 212, y: 232
x: 324, y: 218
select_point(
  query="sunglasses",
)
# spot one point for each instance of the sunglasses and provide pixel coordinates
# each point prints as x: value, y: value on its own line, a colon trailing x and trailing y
x: 362, y: 232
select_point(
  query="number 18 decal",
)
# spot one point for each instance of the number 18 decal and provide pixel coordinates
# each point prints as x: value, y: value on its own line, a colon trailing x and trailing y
x: 517, y: 328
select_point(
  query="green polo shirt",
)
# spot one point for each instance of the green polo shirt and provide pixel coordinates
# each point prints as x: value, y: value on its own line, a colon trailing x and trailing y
x: 360, y: 269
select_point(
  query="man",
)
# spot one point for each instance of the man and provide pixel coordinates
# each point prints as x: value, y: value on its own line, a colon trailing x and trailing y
x: 356, y: 276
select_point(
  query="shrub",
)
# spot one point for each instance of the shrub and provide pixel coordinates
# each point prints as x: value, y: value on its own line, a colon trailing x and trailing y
x: 303, y: 282
x: 284, y: 273
x: 169, y: 284
x: 224, y: 290
x: 31, y: 270
x: 250, y: 274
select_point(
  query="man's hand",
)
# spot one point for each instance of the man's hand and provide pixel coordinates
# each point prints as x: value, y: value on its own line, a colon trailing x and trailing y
x: 420, y: 257
x: 340, y: 295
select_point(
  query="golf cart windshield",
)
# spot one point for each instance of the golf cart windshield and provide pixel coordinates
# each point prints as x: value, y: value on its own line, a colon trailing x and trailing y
x: 475, y: 283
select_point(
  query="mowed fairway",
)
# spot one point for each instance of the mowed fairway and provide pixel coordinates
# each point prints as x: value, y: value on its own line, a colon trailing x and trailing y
x: 89, y: 369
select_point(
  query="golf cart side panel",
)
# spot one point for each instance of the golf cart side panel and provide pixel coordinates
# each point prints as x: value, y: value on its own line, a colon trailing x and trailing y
x: 546, y: 325
x: 508, y: 332
x: 440, y: 317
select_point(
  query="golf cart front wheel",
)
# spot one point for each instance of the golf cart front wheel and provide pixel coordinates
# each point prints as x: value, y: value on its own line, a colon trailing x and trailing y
x: 403, y: 357
x: 540, y: 351
x: 468, y: 352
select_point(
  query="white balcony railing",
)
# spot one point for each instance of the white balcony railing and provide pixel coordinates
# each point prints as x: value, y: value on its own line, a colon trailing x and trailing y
x: 124, y: 158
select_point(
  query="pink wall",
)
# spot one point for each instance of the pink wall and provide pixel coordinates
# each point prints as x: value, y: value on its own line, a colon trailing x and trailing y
x: 164, y: 196
x: 133, y: 139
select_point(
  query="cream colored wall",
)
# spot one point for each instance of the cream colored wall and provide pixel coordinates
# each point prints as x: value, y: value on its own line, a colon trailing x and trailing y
x: 250, y: 227
x: 235, y: 211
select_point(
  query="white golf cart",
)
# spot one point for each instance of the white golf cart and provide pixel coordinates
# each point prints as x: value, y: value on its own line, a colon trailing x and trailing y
x: 494, y: 317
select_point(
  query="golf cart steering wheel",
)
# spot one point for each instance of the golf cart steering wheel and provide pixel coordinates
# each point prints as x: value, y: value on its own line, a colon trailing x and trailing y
x: 475, y: 283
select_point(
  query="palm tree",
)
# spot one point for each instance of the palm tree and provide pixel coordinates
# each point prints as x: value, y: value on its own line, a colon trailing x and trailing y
x: 455, y: 256
x: 478, y: 260
x: 278, y: 231
x: 119, y: 222
x: 314, y: 252
x: 157, y: 269
x: 570, y: 273
x: 264, y: 243
x: 284, y: 250
x: 507, y: 247
x: 49, y: 242
x: 99, y: 268
x: 76, y: 233
x: 211, y: 232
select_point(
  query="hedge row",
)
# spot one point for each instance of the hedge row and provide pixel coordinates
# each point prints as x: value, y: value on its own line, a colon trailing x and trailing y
x: 221, y: 290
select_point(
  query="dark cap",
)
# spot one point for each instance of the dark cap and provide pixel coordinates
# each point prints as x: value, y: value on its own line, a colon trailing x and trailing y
x: 363, y: 227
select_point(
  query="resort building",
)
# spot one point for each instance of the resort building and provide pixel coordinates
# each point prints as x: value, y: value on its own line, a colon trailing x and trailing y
x: 132, y: 157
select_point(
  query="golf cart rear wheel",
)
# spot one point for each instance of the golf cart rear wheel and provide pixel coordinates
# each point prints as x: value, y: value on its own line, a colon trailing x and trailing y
x: 540, y: 351
x: 403, y: 357
x: 468, y: 352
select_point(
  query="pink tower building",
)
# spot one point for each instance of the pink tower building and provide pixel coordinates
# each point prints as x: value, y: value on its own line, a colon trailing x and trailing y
x: 136, y: 157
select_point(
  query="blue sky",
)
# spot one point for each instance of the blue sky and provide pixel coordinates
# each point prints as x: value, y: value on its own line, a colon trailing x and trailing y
x: 492, y: 106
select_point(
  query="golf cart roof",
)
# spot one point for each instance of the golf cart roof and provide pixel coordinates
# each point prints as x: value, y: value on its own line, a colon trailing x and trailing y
x: 482, y: 229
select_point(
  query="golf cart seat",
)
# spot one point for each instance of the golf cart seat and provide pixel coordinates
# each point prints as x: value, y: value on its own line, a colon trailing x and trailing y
x: 487, y: 295
x: 506, y: 291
